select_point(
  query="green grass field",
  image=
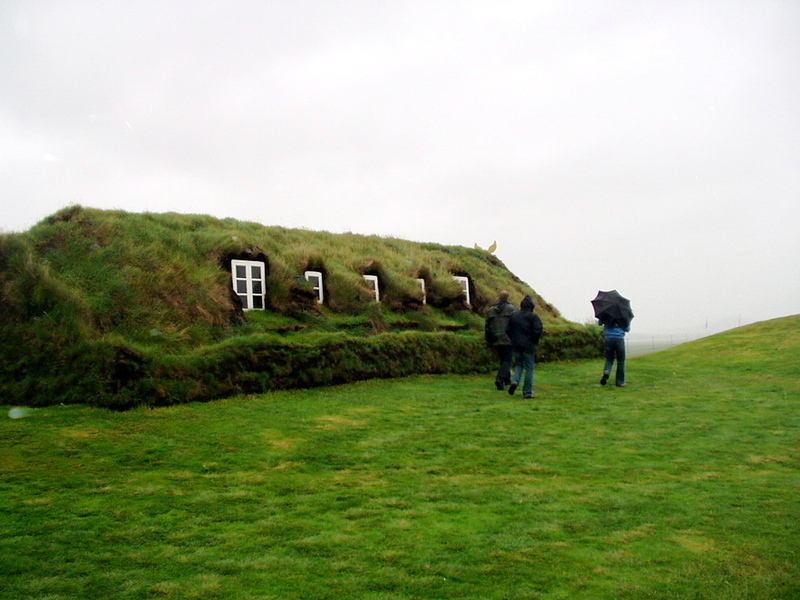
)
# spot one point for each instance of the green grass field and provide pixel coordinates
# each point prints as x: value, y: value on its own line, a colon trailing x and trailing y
x: 684, y: 485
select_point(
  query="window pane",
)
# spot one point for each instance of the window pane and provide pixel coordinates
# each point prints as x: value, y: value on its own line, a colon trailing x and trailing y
x: 372, y: 281
x: 315, y: 279
x: 464, y: 281
x: 248, y: 281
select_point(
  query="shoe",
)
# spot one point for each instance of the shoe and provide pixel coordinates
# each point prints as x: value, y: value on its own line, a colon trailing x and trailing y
x: 512, y: 388
x: 499, y: 385
x: 622, y: 385
x: 531, y: 397
x: 604, y: 379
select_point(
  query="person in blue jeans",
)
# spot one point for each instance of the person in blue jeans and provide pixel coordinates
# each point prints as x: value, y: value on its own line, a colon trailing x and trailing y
x: 614, y: 332
x: 525, y: 330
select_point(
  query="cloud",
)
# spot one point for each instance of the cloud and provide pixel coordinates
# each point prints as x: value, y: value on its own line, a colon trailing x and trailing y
x: 649, y: 147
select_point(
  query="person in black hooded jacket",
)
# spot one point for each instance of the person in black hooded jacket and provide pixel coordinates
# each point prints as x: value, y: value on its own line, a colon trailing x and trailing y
x: 525, y: 330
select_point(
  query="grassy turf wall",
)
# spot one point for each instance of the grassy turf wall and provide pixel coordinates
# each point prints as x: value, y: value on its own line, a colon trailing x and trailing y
x: 113, y: 375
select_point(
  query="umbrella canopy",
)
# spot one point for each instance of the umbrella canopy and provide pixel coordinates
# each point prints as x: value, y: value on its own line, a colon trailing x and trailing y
x: 609, y: 306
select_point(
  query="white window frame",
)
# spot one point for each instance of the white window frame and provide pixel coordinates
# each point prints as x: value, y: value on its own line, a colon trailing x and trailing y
x: 464, y: 281
x: 372, y: 280
x: 421, y: 282
x: 310, y: 276
x: 247, y: 285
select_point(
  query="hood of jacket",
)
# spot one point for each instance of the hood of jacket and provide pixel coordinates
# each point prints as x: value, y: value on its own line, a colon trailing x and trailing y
x: 527, y: 303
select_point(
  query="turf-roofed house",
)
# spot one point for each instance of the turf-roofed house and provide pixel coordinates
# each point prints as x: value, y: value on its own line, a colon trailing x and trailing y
x: 118, y: 309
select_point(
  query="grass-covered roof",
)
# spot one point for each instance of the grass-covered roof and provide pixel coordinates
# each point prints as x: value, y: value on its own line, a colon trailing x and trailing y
x: 158, y: 285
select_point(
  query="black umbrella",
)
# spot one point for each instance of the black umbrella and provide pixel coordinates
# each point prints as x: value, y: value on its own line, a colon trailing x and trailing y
x: 610, y: 306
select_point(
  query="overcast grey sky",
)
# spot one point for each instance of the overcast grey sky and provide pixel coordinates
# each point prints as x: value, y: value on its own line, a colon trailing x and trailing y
x: 651, y: 147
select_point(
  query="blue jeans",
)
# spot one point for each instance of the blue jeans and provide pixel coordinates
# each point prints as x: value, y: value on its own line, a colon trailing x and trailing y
x: 615, y: 349
x: 526, y: 361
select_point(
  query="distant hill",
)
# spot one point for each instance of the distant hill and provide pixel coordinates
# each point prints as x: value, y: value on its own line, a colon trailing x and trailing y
x: 768, y: 347
x: 117, y: 309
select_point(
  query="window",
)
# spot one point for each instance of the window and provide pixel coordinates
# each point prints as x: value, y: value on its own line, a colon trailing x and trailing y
x: 424, y: 291
x: 248, y: 283
x: 315, y: 278
x: 372, y: 281
x: 464, y: 281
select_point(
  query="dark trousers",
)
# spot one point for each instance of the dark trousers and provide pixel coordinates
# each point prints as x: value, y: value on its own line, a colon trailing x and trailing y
x: 504, y: 372
x: 615, y: 349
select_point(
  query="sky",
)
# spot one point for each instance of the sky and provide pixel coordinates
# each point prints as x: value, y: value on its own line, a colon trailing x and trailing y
x: 648, y: 147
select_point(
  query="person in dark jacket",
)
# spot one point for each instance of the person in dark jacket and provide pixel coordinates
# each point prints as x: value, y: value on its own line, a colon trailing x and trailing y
x: 525, y: 330
x: 497, y: 338
x: 614, y: 332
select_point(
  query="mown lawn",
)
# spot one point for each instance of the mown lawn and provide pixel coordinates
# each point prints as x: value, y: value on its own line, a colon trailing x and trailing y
x: 684, y: 485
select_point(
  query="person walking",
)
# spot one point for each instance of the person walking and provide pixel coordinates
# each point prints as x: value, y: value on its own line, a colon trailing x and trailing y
x: 614, y: 331
x: 525, y: 330
x: 497, y: 338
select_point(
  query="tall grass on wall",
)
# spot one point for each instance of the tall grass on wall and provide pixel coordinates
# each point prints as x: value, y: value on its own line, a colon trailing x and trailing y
x: 111, y: 374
